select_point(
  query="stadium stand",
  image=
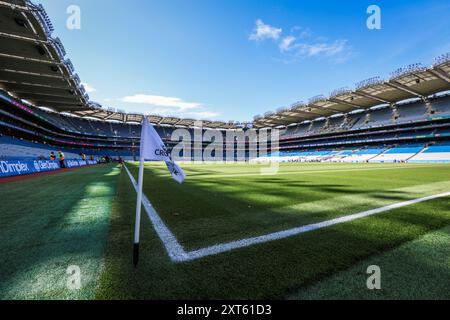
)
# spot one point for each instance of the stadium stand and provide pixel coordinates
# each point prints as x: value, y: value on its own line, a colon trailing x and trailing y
x: 44, y: 107
x: 436, y: 153
x: 411, y: 112
x: 11, y: 148
x: 398, y: 154
x: 441, y: 106
x: 365, y: 154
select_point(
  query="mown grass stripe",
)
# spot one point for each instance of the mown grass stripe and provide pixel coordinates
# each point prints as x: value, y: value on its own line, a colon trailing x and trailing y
x: 224, y: 247
x: 214, y: 210
x: 177, y: 253
x: 170, y: 242
x: 50, y: 223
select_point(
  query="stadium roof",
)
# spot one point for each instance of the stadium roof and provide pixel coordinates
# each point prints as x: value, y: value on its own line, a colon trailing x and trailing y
x: 32, y: 63
x: 413, y: 81
x: 110, y: 114
x: 33, y: 67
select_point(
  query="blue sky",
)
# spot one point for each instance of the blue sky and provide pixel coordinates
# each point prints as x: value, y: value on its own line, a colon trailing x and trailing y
x: 233, y: 59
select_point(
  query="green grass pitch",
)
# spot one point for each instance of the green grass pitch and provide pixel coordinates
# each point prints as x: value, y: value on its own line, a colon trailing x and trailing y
x: 86, y: 218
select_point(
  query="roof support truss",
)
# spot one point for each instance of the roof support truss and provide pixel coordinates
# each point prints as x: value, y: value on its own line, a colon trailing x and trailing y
x: 350, y: 104
x: 441, y: 75
x: 370, y: 96
x: 307, y: 112
x: 323, y: 108
x: 399, y: 86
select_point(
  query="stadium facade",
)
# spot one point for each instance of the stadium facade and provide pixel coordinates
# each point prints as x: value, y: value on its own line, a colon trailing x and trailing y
x: 44, y: 107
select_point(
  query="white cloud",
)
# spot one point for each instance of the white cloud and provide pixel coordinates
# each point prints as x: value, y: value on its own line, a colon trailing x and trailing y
x: 167, y: 106
x: 88, y: 88
x: 301, y: 33
x: 162, y: 101
x: 264, y: 31
x: 285, y: 44
x: 298, y: 44
x: 207, y: 115
x: 327, y: 49
x: 305, y: 34
x: 336, y: 52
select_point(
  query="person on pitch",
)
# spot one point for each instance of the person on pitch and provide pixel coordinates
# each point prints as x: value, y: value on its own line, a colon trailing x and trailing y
x: 61, y: 159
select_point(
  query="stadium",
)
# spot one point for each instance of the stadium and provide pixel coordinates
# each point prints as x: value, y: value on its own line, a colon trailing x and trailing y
x: 361, y: 177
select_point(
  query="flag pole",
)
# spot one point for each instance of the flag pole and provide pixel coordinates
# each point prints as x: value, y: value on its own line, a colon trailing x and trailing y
x: 138, y: 212
x: 152, y: 148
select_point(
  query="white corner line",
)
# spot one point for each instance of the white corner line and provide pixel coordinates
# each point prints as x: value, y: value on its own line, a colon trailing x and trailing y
x: 178, y: 254
x: 299, y: 230
x: 173, y: 247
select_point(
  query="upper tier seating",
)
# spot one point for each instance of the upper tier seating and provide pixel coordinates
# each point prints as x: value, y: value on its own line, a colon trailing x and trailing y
x: 441, y: 106
x: 412, y: 112
x: 378, y: 117
x: 335, y: 124
x: 100, y: 128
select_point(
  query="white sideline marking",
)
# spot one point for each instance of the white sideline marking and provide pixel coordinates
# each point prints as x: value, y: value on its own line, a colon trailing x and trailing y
x: 295, y: 231
x: 178, y: 254
x: 173, y: 247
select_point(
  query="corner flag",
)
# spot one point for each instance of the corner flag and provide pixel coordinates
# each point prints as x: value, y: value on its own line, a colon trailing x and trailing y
x: 152, y: 149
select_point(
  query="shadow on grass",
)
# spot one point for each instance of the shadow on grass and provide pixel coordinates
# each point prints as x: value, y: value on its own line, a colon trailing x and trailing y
x: 51, y: 223
x: 207, y: 212
x: 415, y: 270
x: 265, y: 271
x: 272, y: 270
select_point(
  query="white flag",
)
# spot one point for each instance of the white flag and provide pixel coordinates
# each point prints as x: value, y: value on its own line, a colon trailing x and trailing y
x: 176, y: 172
x: 153, y: 149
